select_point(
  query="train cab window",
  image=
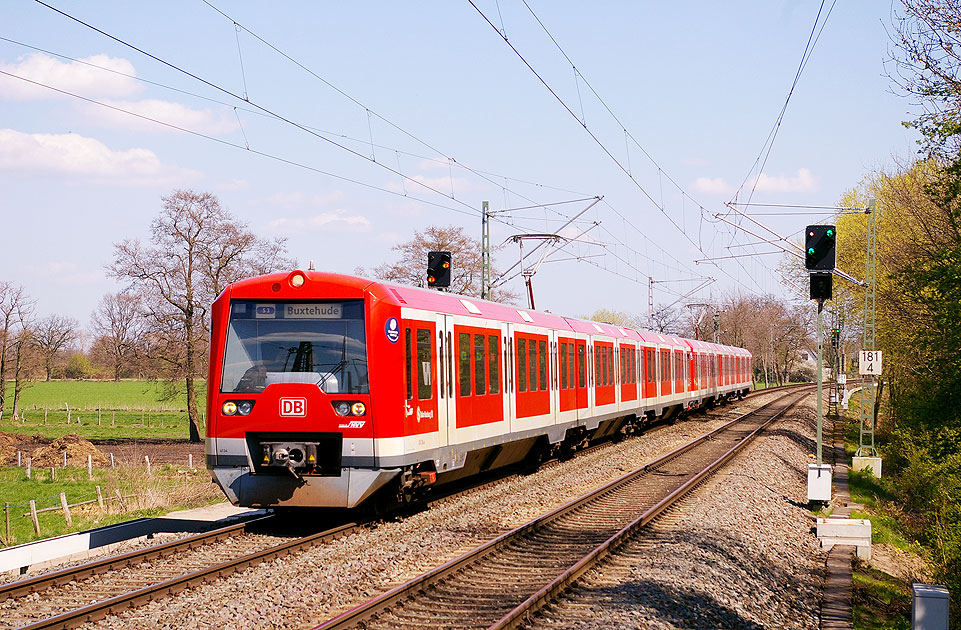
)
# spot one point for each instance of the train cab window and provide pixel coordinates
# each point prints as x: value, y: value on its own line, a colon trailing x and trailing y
x: 521, y: 365
x: 493, y: 354
x: 542, y: 363
x: 480, y: 373
x: 408, y: 369
x: 463, y: 363
x: 425, y: 365
x: 580, y: 366
x: 563, y: 366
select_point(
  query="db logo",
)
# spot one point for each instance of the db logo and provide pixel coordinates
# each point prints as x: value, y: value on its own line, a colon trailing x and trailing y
x: 293, y: 407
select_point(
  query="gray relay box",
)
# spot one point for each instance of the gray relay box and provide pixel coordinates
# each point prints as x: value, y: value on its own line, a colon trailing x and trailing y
x: 929, y: 607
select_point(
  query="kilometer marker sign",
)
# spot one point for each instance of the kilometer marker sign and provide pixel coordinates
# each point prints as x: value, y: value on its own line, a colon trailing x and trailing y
x: 870, y: 362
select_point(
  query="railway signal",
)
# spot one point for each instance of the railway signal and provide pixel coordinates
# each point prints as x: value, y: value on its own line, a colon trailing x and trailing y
x: 821, y: 286
x: 819, y: 247
x: 438, y: 269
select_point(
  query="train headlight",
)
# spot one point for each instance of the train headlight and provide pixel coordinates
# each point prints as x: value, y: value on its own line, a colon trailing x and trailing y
x: 297, y: 280
x: 244, y: 407
x: 230, y: 408
x: 358, y: 409
x: 342, y: 408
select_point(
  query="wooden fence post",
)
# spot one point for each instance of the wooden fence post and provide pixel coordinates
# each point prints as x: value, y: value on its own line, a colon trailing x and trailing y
x: 123, y: 507
x: 111, y: 461
x: 147, y: 459
x: 45, y: 417
x: 113, y: 417
x: 29, y: 462
x: 66, y: 509
x: 100, y: 498
x: 65, y: 459
x: 68, y: 412
x: 99, y: 414
x: 33, y: 516
x: 52, y: 475
x: 89, y: 467
x: 19, y: 461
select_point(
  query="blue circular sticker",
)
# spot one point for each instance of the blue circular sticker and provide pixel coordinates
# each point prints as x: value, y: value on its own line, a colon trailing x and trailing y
x: 392, y: 329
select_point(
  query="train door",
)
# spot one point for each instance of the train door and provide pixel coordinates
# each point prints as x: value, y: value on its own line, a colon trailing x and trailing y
x: 446, y: 407
x: 582, y: 383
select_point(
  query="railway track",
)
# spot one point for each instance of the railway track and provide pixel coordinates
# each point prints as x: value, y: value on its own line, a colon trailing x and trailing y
x: 500, y: 584
x: 68, y: 597
x: 88, y: 592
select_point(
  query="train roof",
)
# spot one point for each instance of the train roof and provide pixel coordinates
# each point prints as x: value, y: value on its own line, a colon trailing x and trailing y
x: 415, y: 297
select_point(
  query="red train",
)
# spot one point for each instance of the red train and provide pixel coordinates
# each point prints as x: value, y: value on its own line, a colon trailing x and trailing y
x: 327, y: 390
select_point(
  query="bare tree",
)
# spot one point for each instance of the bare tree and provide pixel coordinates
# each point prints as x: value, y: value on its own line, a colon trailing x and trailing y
x: 11, y: 296
x: 50, y: 336
x: 118, y: 324
x: 21, y: 338
x: 197, y: 248
x: 466, y: 262
x: 616, y: 318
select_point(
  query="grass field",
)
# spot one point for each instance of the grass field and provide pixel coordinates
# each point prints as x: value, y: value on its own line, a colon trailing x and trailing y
x: 168, y: 488
x: 86, y: 395
x: 100, y: 410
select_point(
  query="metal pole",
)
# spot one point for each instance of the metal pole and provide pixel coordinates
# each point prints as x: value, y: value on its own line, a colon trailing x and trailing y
x: 485, y: 251
x: 820, y: 380
x: 866, y: 438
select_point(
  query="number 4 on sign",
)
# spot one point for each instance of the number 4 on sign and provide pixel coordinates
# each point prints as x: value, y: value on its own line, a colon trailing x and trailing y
x: 870, y: 362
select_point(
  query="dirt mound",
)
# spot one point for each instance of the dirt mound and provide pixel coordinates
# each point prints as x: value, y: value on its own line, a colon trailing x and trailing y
x: 10, y: 443
x: 76, y: 448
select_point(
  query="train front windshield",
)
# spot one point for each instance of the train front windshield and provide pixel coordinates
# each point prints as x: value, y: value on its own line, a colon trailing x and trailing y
x: 323, y: 343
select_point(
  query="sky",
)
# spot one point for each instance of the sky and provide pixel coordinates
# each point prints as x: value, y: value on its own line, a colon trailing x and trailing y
x: 344, y: 127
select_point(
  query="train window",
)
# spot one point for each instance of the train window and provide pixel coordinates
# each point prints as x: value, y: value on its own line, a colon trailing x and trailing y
x: 407, y: 365
x: 542, y: 357
x: 450, y: 366
x: 532, y: 364
x: 580, y: 366
x: 440, y: 361
x: 493, y: 352
x: 425, y: 366
x: 597, y: 364
x: 463, y: 363
x: 570, y: 364
x: 521, y: 364
x: 480, y: 373
x: 563, y: 366
x: 650, y: 366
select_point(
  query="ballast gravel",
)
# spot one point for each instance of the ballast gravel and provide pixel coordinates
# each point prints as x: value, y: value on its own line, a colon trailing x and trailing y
x: 740, y: 555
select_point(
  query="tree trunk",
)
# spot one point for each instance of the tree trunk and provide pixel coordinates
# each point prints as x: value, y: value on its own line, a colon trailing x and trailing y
x: 192, y: 410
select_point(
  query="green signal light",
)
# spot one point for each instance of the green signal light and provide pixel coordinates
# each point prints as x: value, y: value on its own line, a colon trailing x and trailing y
x: 830, y: 233
x: 811, y: 251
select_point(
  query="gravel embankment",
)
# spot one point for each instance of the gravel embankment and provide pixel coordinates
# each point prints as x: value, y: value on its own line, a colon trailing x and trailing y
x: 302, y: 590
x: 739, y: 554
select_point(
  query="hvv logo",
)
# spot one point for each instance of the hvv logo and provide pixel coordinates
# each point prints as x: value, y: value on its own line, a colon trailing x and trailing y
x: 293, y: 407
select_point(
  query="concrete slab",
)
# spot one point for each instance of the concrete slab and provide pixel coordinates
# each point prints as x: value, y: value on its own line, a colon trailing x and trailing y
x: 846, y: 531
x: 34, y: 556
x: 867, y: 463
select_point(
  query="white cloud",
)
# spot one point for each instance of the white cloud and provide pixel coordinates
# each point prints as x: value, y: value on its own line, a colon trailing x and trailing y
x: 74, y: 76
x: 199, y: 120
x: 803, y: 182
x: 72, y: 154
x: 711, y: 185
x: 337, y: 220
